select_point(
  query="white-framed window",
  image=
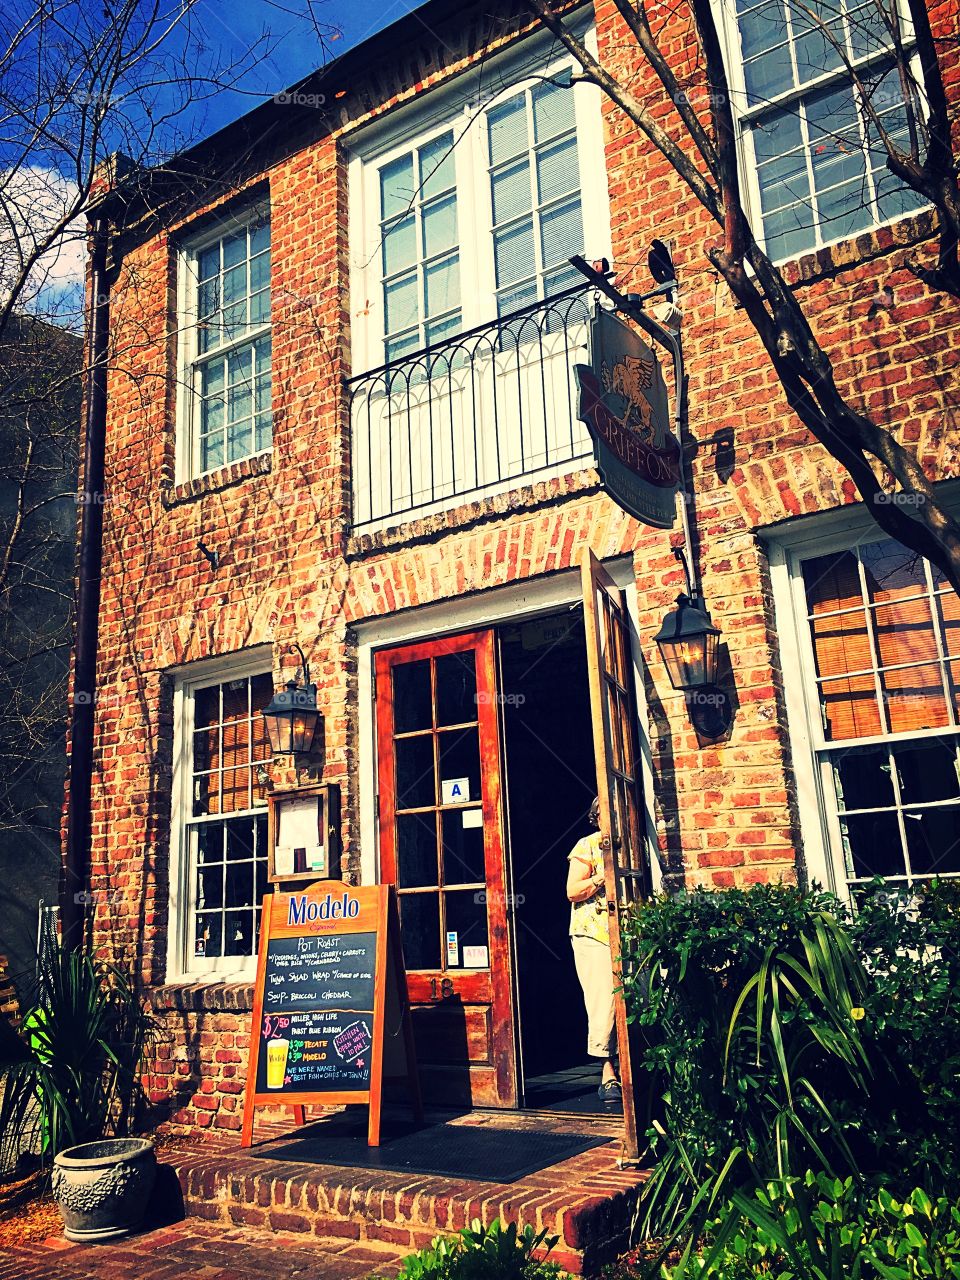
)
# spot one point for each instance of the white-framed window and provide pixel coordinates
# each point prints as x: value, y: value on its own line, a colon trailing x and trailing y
x: 219, y: 822
x: 875, y: 675
x: 225, y: 341
x: 472, y: 206
x: 814, y: 166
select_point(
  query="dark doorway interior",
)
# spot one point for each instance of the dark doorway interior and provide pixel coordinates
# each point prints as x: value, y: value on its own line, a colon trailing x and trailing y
x: 551, y: 779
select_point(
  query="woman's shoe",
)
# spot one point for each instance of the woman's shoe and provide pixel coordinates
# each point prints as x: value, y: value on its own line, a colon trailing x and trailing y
x: 611, y: 1093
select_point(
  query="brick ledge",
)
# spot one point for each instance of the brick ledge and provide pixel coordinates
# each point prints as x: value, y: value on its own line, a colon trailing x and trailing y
x: 172, y: 495
x: 201, y: 997
x: 431, y: 528
x: 813, y: 266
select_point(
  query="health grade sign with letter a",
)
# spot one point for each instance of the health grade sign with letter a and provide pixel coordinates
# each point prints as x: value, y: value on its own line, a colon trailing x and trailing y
x: 623, y: 402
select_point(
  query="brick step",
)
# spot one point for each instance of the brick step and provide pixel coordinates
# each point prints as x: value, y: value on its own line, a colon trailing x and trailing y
x: 586, y: 1201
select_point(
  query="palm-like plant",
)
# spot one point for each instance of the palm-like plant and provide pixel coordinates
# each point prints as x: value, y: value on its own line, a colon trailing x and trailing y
x: 77, y: 1059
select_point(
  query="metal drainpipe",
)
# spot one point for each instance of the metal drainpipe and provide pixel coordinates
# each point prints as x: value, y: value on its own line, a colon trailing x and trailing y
x: 76, y: 863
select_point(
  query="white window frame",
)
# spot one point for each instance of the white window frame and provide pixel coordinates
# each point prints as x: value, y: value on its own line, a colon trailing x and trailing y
x: 462, y: 106
x: 182, y: 965
x: 187, y: 460
x: 744, y: 117
x: 787, y: 547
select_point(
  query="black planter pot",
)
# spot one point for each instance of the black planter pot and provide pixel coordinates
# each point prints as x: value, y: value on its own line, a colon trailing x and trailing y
x: 102, y: 1188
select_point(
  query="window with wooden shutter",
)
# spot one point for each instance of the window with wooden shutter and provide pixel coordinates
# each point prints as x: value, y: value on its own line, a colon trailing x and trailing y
x: 885, y: 638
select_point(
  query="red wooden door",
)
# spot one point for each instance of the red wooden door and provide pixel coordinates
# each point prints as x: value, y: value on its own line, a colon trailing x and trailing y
x: 619, y: 782
x: 441, y: 844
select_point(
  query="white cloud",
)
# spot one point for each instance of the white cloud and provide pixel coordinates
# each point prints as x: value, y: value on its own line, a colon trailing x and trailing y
x: 34, y: 200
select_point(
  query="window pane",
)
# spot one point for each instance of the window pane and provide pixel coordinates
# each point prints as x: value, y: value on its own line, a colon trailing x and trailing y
x: 928, y: 770
x: 841, y: 643
x: 466, y: 912
x: 831, y: 582
x: 553, y: 111
x: 818, y: 28
x: 437, y: 166
x: 259, y: 237
x: 510, y: 189
x: 415, y: 783
x: 507, y: 130
x: 933, y: 839
x: 561, y: 230
x: 905, y: 632
x: 208, y: 263
x: 439, y: 226
x: 914, y: 699
x: 396, y: 187
x: 463, y: 860
x: 557, y: 170
x: 401, y: 304
x: 411, y: 696
x: 456, y: 688
x: 442, y: 286
x: 850, y: 708
x: 513, y: 253
x: 420, y: 930
x: 416, y: 850
x: 460, y: 761
x: 400, y: 246
x: 234, y: 249
x: 872, y: 845
x: 863, y: 778
x: 892, y: 572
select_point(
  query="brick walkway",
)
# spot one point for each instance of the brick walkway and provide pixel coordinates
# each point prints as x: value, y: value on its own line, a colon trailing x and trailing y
x: 201, y: 1249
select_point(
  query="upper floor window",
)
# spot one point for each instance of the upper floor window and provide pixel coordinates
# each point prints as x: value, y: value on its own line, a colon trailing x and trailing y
x: 419, y: 247
x: 534, y: 180
x: 816, y: 169
x: 476, y: 215
x: 226, y: 405
x: 883, y: 653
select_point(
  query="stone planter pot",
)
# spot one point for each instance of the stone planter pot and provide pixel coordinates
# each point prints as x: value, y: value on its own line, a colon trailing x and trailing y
x: 102, y: 1188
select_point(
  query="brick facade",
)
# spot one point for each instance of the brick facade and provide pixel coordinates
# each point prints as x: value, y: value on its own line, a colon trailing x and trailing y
x: 291, y: 569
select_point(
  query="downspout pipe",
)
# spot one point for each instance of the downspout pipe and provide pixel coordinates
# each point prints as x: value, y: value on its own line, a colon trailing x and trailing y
x: 74, y: 893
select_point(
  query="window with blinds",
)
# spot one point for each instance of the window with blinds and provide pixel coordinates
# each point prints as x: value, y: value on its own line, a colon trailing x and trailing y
x: 819, y: 167
x: 535, y: 194
x: 885, y: 634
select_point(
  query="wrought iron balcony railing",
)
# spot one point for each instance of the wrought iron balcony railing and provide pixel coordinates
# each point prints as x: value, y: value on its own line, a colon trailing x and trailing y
x: 471, y: 416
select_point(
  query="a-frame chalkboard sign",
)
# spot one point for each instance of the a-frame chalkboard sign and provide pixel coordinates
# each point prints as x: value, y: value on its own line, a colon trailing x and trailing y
x: 330, y: 1015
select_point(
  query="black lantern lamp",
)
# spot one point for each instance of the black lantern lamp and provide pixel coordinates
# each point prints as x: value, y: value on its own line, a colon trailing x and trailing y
x: 292, y: 716
x: 688, y: 643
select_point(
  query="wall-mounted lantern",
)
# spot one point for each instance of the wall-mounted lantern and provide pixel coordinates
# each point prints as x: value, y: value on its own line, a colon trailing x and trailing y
x: 688, y: 643
x: 292, y: 716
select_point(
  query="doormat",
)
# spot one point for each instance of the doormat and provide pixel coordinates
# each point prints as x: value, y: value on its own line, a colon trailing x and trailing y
x: 478, y: 1153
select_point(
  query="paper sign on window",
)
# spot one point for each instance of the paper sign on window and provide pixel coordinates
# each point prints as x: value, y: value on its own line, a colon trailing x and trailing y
x: 454, y: 790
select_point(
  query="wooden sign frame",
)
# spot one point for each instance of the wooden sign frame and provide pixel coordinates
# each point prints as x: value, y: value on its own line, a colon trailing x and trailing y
x: 327, y: 800
x: 377, y: 913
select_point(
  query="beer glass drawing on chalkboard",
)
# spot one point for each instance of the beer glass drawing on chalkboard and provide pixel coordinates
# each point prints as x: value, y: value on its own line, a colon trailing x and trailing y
x: 277, y: 1051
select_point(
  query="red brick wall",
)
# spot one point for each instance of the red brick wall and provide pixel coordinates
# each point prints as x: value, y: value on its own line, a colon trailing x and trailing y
x: 289, y: 570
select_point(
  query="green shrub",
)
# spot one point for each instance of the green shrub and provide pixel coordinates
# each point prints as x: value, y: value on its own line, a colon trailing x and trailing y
x: 77, y: 1059
x: 497, y: 1252
x: 819, y: 1228
x: 786, y: 1036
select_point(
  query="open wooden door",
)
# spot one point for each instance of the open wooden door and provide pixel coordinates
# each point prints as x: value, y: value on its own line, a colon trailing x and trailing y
x: 441, y: 844
x: 619, y: 783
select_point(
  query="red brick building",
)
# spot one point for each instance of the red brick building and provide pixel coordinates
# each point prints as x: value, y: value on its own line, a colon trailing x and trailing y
x: 320, y: 433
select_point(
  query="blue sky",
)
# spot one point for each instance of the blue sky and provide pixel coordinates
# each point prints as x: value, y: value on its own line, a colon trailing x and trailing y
x: 234, y: 25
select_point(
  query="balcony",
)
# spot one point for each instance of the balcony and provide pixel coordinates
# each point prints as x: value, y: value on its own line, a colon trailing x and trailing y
x: 474, y: 415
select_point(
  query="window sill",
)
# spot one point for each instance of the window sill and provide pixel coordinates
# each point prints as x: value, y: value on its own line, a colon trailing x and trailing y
x: 204, y: 995
x: 819, y: 263
x: 260, y: 464
x: 429, y: 528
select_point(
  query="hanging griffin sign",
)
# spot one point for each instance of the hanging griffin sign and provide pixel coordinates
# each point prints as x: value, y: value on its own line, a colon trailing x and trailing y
x: 623, y: 403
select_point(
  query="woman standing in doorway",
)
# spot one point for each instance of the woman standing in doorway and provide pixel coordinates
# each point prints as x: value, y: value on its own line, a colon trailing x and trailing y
x: 590, y: 937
